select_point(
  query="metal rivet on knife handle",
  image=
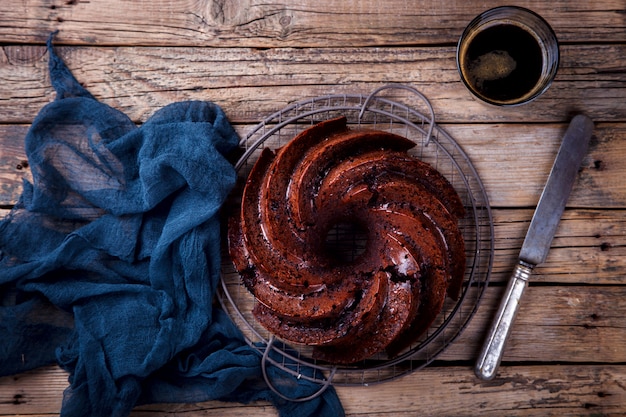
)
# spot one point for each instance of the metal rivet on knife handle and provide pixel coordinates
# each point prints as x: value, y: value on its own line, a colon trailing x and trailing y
x: 538, y: 239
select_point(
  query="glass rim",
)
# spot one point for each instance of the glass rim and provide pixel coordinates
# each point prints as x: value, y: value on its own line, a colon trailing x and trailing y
x: 547, y: 41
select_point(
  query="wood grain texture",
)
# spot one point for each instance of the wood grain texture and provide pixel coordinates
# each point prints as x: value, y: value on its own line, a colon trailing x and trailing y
x: 554, y: 324
x: 513, y: 179
x: 552, y: 390
x: 14, y: 166
x: 567, y: 351
x: 589, y: 247
x: 250, y: 83
x: 288, y: 23
x: 590, y: 243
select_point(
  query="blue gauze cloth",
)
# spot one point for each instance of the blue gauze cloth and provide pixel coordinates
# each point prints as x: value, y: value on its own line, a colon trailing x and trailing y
x: 110, y: 261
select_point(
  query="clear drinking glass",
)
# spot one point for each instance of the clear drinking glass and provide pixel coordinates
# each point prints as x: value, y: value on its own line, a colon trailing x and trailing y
x: 508, y: 56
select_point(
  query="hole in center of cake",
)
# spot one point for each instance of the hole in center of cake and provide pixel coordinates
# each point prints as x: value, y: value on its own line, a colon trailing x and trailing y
x: 345, y: 241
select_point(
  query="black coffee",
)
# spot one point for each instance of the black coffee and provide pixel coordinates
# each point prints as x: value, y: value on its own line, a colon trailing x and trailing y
x: 503, y: 62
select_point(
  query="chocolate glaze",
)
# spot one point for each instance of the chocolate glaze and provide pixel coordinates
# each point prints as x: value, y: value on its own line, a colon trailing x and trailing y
x: 390, y: 293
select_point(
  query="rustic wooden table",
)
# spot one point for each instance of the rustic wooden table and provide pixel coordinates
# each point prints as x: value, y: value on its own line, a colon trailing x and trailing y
x: 567, y: 353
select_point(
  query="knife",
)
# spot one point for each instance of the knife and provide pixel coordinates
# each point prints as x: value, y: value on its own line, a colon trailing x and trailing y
x: 538, y: 239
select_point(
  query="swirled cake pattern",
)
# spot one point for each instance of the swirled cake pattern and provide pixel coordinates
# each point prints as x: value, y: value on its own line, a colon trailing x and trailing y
x: 392, y: 290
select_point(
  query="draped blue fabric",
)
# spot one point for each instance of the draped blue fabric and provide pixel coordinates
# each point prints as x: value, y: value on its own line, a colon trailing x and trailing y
x: 110, y: 261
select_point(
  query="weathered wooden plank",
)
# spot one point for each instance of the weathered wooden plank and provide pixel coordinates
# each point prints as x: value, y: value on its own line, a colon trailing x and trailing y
x: 250, y: 84
x: 515, y: 178
x: 554, y: 324
x: 588, y: 247
x: 35, y: 392
x: 551, y: 390
x: 514, y: 161
x: 13, y: 163
x: 590, y: 244
x: 557, y: 324
x: 292, y: 23
x: 518, y: 391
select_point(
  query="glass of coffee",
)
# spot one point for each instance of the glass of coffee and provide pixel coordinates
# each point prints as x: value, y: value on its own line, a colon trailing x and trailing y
x: 508, y: 56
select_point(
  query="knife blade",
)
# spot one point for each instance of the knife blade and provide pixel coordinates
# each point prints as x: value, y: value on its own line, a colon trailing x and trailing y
x: 538, y: 239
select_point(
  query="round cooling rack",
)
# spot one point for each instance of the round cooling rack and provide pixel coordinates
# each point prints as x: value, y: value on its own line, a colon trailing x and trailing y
x: 398, y: 109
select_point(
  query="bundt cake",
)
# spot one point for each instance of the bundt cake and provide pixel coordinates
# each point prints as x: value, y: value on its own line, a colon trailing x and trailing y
x: 392, y: 290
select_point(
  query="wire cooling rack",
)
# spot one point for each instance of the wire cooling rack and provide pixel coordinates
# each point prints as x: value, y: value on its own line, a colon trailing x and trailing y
x: 398, y: 109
